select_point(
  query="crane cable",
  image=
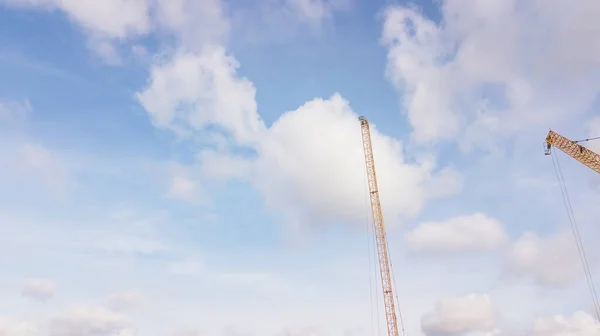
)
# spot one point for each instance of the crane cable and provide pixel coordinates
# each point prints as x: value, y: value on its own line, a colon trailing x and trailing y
x: 589, y: 139
x: 370, y: 247
x: 575, y: 230
x: 396, y: 293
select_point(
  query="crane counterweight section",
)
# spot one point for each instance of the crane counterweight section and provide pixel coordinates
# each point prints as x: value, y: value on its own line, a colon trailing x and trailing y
x: 379, y: 228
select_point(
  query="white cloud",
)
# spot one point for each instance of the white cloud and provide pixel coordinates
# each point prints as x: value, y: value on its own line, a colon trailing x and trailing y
x: 311, y: 9
x: 469, y: 233
x: 110, y: 23
x: 309, y: 163
x: 9, y: 327
x: 254, y: 280
x: 104, y: 21
x: 14, y: 111
x: 128, y: 244
x: 317, y: 10
x: 184, y: 188
x: 139, y: 50
x: 579, y: 324
x: 221, y: 165
x: 189, y: 332
x: 124, y: 233
x: 195, y: 23
x: 460, y: 315
x: 126, y: 301
x: 284, y: 20
x: 188, y: 266
x: 39, y: 160
x: 39, y: 289
x: 320, y: 165
x: 552, y: 260
x: 299, y: 162
x: 193, y: 91
x: 484, y: 74
x: 95, y: 321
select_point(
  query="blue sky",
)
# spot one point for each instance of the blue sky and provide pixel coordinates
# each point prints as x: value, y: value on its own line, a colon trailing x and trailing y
x: 192, y: 167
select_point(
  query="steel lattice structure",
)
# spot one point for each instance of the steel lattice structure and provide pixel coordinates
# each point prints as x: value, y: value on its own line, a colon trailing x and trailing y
x: 379, y: 228
x: 574, y: 150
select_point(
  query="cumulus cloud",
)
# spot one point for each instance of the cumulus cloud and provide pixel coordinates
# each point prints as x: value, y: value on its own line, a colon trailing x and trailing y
x: 483, y: 73
x: 112, y: 22
x: 579, y: 324
x: 302, y: 162
x: 469, y: 233
x: 309, y: 162
x: 113, y: 18
x: 126, y: 301
x: 552, y: 260
x: 195, y: 23
x: 10, y: 327
x: 299, y: 162
x: 196, y: 90
x: 456, y: 316
x: 95, y: 321
x: 103, y: 21
x: 38, y: 289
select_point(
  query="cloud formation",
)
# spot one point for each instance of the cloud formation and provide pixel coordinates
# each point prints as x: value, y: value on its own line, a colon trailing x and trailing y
x: 104, y: 22
x: 460, y: 315
x: 195, y: 90
x: 95, y: 321
x: 11, y: 327
x: 300, y: 162
x: 471, y: 78
x: 14, y: 111
x: 469, y: 233
x: 483, y: 73
x: 579, y: 324
x: 126, y: 301
x: 45, y: 166
x: 552, y: 260
x: 39, y: 289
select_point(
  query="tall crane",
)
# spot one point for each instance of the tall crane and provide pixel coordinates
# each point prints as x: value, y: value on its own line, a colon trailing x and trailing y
x: 379, y: 228
x: 573, y: 149
x: 591, y: 160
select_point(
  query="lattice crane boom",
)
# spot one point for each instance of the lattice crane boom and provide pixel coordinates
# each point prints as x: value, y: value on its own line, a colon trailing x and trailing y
x: 379, y: 228
x: 573, y: 149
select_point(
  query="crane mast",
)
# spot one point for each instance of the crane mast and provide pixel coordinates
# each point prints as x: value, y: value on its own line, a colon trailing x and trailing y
x: 573, y: 149
x: 379, y: 228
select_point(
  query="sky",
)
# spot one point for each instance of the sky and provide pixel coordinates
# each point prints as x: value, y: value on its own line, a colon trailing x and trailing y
x: 195, y: 167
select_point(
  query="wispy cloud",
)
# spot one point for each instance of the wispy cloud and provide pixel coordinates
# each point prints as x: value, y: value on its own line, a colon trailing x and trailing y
x: 16, y: 59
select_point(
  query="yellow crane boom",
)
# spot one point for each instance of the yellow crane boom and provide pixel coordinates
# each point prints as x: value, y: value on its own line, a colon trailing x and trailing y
x: 573, y: 149
x: 379, y: 228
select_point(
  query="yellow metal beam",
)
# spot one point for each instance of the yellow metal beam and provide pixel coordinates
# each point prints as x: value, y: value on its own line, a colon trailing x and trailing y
x: 379, y: 227
x: 574, y: 150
